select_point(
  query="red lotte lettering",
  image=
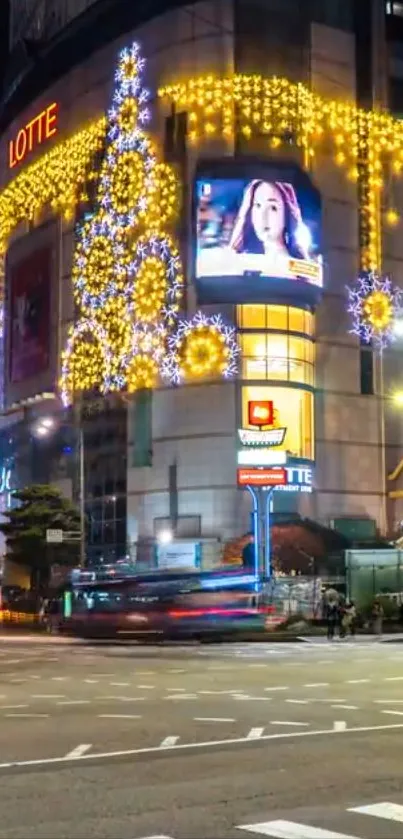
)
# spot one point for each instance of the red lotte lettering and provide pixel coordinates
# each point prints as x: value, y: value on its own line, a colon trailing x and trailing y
x: 34, y: 133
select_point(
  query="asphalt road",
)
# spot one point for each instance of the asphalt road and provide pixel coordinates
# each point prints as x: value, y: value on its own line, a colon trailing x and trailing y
x: 185, y: 742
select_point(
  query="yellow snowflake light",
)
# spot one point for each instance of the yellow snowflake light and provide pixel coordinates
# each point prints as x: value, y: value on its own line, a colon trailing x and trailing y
x: 203, y: 347
x: 374, y: 303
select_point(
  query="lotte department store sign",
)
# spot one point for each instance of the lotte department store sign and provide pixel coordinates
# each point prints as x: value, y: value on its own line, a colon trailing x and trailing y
x: 39, y: 129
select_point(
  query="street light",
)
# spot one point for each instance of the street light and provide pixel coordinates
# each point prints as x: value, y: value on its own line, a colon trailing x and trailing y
x: 398, y: 398
x: 42, y: 428
x: 398, y: 328
x: 165, y: 537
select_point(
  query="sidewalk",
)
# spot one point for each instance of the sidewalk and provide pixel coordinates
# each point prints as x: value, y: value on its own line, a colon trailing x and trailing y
x: 396, y: 637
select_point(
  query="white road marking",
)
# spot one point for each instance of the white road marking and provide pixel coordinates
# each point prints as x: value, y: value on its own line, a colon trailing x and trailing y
x: 357, y: 681
x: 388, y: 701
x: 144, y: 672
x: 175, y: 671
x: 78, y: 751
x: 282, y: 687
x: 169, y: 741
x: 48, y: 695
x: 9, y: 707
x: 316, y: 685
x: 205, y: 744
x: 298, y: 701
x: 393, y: 713
x: 282, y: 829
x: 120, y: 698
x: 346, y: 707
x: 393, y: 679
x: 182, y: 696
x: 180, y: 690
x: 383, y: 810
x: 36, y: 677
x: 339, y: 725
x: 246, y: 698
x: 119, y: 717
x: 91, y: 681
x: 55, y: 678
x: 214, y: 719
x: 255, y: 733
x: 74, y: 702
x: 146, y: 687
x: 119, y: 684
x: 288, y: 722
x: 26, y: 715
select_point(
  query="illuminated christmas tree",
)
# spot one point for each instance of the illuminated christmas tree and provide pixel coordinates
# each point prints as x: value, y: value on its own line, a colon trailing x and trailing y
x: 127, y: 276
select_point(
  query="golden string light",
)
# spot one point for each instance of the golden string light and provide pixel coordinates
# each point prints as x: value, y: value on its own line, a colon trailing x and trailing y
x: 56, y: 179
x: 363, y: 141
x: 378, y: 310
x: 150, y: 290
x: 127, y: 114
x: 164, y: 197
x: 204, y: 353
x: 94, y: 267
x: 142, y: 373
x: 126, y: 182
x: 86, y: 359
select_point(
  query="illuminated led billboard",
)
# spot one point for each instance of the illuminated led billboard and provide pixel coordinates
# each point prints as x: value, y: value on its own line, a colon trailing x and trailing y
x: 257, y: 233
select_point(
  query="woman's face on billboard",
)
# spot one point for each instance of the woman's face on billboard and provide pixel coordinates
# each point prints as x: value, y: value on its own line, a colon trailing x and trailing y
x: 268, y: 216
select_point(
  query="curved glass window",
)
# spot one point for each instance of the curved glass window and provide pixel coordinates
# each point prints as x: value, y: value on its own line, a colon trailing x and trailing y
x: 281, y: 318
x: 267, y: 355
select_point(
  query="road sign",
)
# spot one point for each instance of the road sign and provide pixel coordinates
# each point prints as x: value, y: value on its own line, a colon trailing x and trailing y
x: 54, y: 537
x: 262, y: 477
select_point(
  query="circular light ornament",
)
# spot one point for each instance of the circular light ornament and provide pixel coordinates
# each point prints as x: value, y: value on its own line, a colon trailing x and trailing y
x: 142, y: 373
x: 127, y: 115
x: 164, y: 199
x: 156, y: 281
x: 85, y: 361
x: 94, y: 269
x: 127, y: 182
x: 203, y: 347
x: 374, y: 303
x: 150, y: 290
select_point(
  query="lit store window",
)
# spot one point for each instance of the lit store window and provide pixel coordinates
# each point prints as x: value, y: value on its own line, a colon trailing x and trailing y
x: 292, y: 410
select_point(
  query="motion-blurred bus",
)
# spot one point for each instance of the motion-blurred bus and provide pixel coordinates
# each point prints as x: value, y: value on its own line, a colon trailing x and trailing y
x: 197, y: 606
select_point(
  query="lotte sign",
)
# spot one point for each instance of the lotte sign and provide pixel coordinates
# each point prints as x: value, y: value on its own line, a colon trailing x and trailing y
x: 33, y: 134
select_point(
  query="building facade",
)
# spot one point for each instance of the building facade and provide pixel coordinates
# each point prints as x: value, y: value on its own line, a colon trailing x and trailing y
x: 262, y: 92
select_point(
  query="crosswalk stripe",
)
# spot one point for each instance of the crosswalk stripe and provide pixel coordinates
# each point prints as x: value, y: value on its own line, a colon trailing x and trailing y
x: 281, y: 829
x: 383, y: 810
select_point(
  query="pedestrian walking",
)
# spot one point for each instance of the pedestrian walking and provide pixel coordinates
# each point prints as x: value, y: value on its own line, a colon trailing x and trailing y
x: 377, y: 617
x: 332, y: 618
x: 348, y: 620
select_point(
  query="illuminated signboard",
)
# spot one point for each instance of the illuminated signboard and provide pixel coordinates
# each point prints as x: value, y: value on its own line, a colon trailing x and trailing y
x: 257, y: 233
x: 262, y: 457
x: 33, y: 134
x: 271, y: 437
x: 299, y: 479
x: 262, y: 477
x: 260, y: 413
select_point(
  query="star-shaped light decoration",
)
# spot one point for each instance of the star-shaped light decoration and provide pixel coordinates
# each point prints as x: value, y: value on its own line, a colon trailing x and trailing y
x: 374, y: 303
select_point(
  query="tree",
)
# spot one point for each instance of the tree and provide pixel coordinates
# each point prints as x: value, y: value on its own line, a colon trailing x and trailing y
x: 40, y: 508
